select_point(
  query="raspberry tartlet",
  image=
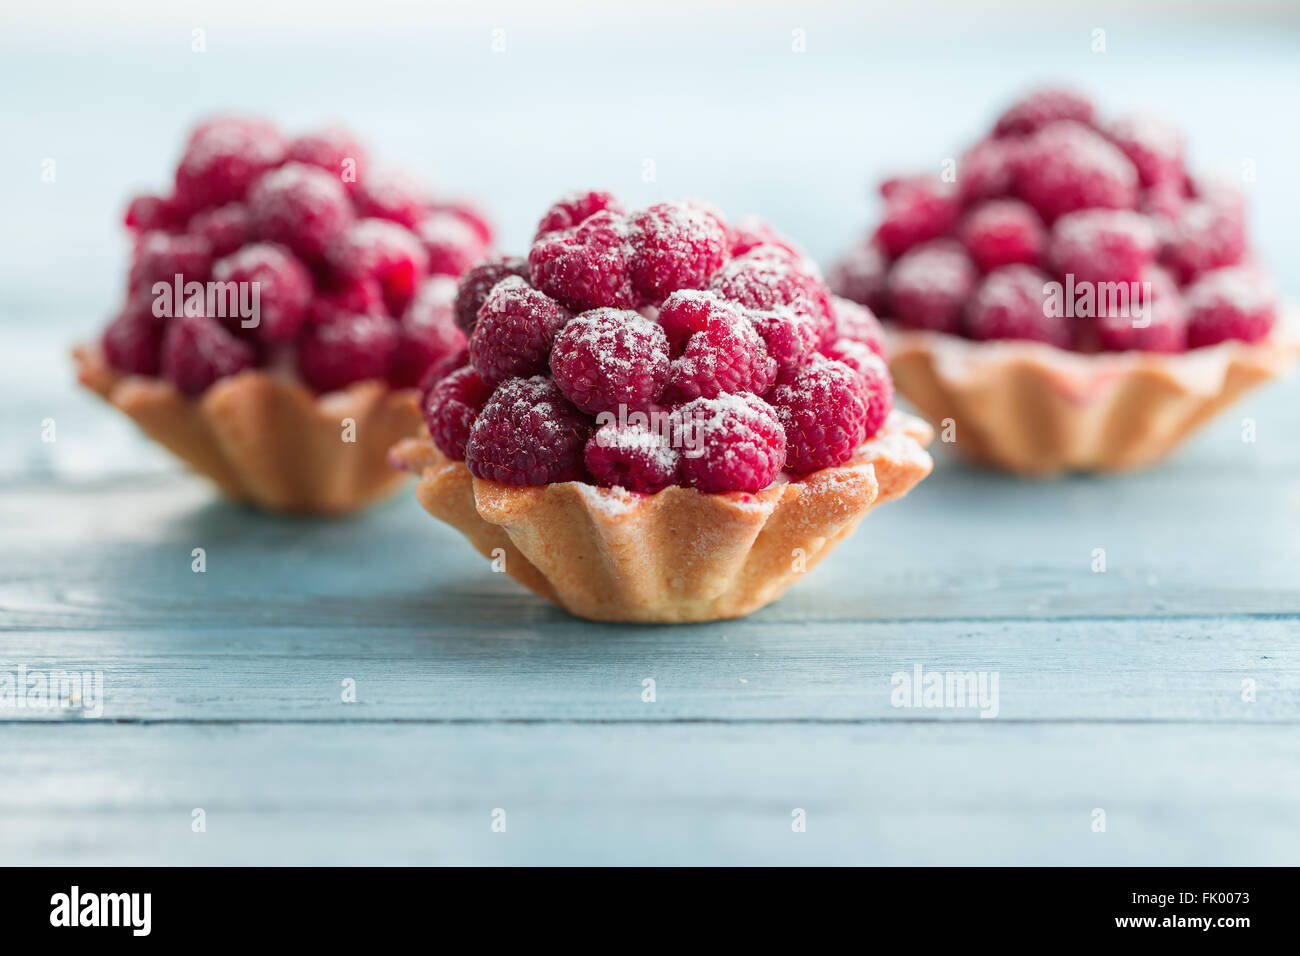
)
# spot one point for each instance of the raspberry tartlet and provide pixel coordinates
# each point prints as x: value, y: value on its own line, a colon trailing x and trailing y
x: 283, y: 304
x: 660, y: 416
x: 1072, y: 299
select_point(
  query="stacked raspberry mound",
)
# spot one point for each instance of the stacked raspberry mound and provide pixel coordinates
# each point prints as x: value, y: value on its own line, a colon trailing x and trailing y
x: 655, y: 348
x: 354, y: 268
x: 1046, y: 215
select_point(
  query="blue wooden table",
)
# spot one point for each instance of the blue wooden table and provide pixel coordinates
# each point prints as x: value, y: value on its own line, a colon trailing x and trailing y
x: 368, y: 691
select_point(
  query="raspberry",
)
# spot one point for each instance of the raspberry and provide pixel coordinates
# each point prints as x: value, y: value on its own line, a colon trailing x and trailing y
x: 824, y: 412
x: 874, y: 371
x: 768, y: 277
x: 1010, y: 304
x: 346, y: 296
x: 300, y: 206
x: 428, y: 332
x: 917, y: 209
x: 571, y: 210
x: 1066, y: 166
x: 133, y: 340
x: 857, y: 323
x: 284, y: 289
x: 384, y: 251
x: 1164, y: 313
x: 1102, y: 245
x: 1208, y: 234
x: 1164, y: 200
x: 585, y: 267
x: 516, y: 328
x: 528, y: 434
x: 674, y: 245
x: 1001, y: 232
x: 346, y: 348
x: 451, y: 407
x: 729, y: 443
x: 752, y: 232
x: 986, y: 170
x: 790, y: 339
x: 1041, y: 107
x: 723, y: 352
x: 928, y: 285
x: 197, y: 351
x: 334, y: 150
x: 478, y: 282
x: 1232, y: 303
x: 630, y: 456
x: 1154, y: 146
x: 222, y: 159
x: 393, y: 196
x: 860, y: 276
x: 439, y: 370
x: 154, y: 212
x: 452, y: 244
x: 161, y: 256
x: 469, y: 214
x: 688, y: 311
x: 226, y: 228
x: 609, y: 359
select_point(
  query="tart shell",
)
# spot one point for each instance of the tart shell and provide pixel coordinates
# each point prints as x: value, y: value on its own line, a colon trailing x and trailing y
x: 675, y: 556
x: 270, y: 440
x: 1036, y: 410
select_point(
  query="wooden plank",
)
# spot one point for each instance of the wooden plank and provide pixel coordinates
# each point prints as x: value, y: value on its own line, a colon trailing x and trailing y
x: 911, y: 794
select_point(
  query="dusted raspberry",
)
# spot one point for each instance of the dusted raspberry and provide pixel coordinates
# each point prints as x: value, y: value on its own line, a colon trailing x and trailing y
x: 790, y: 338
x: 1164, y: 200
x: 688, y: 311
x: 674, y: 245
x: 516, y: 328
x: 390, y: 195
x: 428, y: 332
x: 154, y: 212
x: 857, y: 323
x: 630, y: 456
x: 528, y: 434
x: 334, y: 150
x: 161, y: 256
x: 133, y: 340
x: 608, y: 360
x: 573, y: 209
x: 928, y: 286
x: 874, y: 371
x: 585, y: 267
x: 440, y: 370
x: 1010, y: 304
x: 1041, y: 107
x: 1208, y: 234
x: 860, y: 276
x: 346, y: 348
x: 469, y: 214
x: 1066, y: 166
x: 726, y: 355
x: 1154, y: 146
x: 752, y: 232
x: 384, y: 251
x: 1158, y: 324
x: 284, y: 289
x: 824, y: 411
x: 729, y: 443
x: 300, y: 206
x: 987, y: 170
x: 1234, y: 303
x: 347, y: 296
x: 1002, y: 232
x: 451, y: 407
x: 226, y: 228
x: 917, y: 209
x: 478, y: 282
x: 768, y: 277
x: 1102, y: 245
x: 222, y: 159
x: 197, y: 351
x: 452, y: 244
